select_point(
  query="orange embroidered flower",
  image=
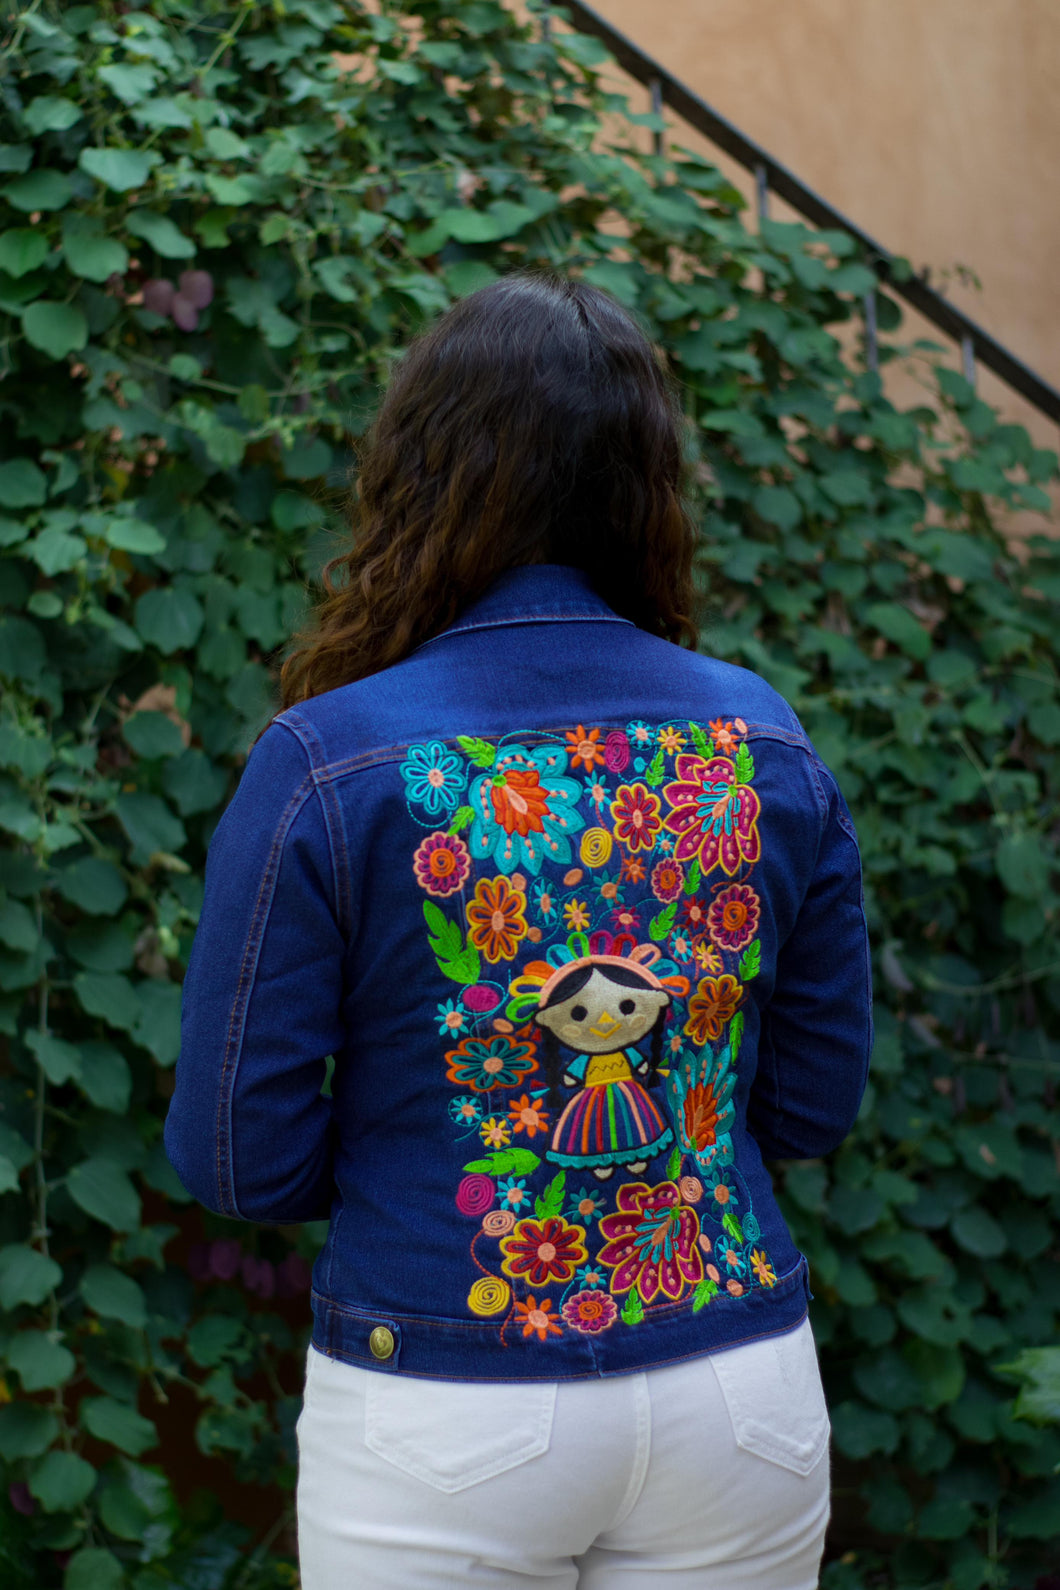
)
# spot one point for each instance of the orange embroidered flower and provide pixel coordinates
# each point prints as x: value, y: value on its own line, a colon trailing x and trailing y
x: 632, y: 870
x: 712, y: 1006
x: 724, y: 738
x: 636, y: 813
x: 528, y: 1117
x: 543, y: 1250
x: 701, y: 1117
x: 496, y: 918
x: 520, y: 805
x: 582, y: 747
x: 537, y: 1318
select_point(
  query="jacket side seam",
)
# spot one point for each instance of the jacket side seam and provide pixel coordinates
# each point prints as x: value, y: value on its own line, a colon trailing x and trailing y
x: 226, y: 1192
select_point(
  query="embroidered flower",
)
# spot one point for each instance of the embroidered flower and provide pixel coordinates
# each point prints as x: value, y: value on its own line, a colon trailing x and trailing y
x: 667, y: 880
x: 544, y: 900
x: 590, y: 1311
x: 496, y: 918
x: 724, y: 738
x: 626, y: 918
x: 502, y: 1060
x: 652, y: 1242
x: 582, y: 748
x: 729, y: 1254
x: 722, y: 1189
x: 583, y: 1205
x: 636, y: 813
x: 576, y: 915
x: 450, y: 1019
x: 694, y: 914
x: 705, y: 955
x: 700, y: 1111
x: 597, y: 794
x: 672, y: 740
x: 590, y: 1276
x: 607, y: 892
x: 733, y: 916
x: 714, y: 817
x: 712, y: 1007
x: 537, y: 1318
x: 525, y: 809
x: 765, y: 1274
x: 639, y: 734
x: 465, y: 1111
x: 495, y: 1132
x: 434, y: 777
x: 632, y: 869
x: 543, y: 1250
x: 681, y: 945
x: 527, y: 1116
x: 616, y: 751
x: 441, y: 864
x: 513, y: 1193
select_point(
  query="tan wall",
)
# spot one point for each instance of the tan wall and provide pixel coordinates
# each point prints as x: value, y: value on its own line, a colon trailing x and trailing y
x: 933, y: 124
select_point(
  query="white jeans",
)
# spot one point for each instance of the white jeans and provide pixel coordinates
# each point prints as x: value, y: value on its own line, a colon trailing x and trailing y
x: 711, y: 1474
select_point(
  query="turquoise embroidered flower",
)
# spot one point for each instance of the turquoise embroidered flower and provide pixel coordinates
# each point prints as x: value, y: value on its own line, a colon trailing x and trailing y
x: 435, y: 777
x: 729, y: 1253
x: 465, y: 1111
x: 544, y: 898
x: 450, y: 1018
x: 640, y: 734
x: 513, y: 1194
x: 584, y: 1205
x: 589, y: 1277
x: 525, y: 810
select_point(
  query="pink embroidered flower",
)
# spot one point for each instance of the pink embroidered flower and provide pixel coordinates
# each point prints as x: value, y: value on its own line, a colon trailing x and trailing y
x: 733, y: 917
x: 714, y: 817
x: 616, y: 751
x: 590, y: 1312
x: 651, y: 1242
x: 442, y: 863
x: 636, y: 813
x: 667, y: 880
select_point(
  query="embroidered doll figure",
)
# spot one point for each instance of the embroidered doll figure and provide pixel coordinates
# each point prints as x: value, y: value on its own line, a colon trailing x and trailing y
x: 600, y: 1007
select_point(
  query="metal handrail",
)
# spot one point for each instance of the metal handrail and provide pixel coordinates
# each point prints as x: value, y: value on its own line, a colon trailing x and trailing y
x: 772, y: 176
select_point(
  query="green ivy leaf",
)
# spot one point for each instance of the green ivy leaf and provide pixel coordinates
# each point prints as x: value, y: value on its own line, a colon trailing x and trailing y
x: 103, y: 1190
x: 89, y: 253
x: 112, y: 1295
x: 26, y: 1276
x: 58, y: 1060
x: 39, y: 1361
x: 61, y: 1481
x: 117, y: 1423
x: 39, y: 190
x: 51, y: 113
x: 55, y: 328
x: 22, y: 251
x: 26, y: 1430
x: 118, y: 169
x: 94, y: 1568
x: 94, y: 885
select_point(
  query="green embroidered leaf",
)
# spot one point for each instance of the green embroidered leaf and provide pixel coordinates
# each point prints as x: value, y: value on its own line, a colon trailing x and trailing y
x: 732, y: 1226
x: 461, y: 817
x: 521, y: 1161
x: 456, y: 960
x: 705, y: 1291
x: 692, y: 880
x: 751, y: 961
x: 551, y: 1200
x: 700, y: 741
x: 736, y: 1034
x: 674, y: 1164
x: 660, y: 925
x: 655, y: 773
x: 633, y: 1309
x: 745, y: 766
x: 481, y: 752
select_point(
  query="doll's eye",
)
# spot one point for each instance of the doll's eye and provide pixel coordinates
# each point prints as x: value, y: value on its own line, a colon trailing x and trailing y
x: 579, y: 1013
x: 628, y: 1006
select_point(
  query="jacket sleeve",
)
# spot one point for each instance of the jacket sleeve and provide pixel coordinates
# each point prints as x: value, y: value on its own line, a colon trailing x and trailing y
x: 248, y: 1131
x: 816, y: 1036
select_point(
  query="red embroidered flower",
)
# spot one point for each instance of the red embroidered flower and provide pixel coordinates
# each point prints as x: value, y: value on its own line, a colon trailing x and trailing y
x: 543, y: 1250
x: 667, y: 879
x: 537, y: 1318
x: 714, y: 817
x: 442, y: 863
x: 733, y: 916
x: 694, y: 914
x: 582, y: 747
x: 590, y: 1311
x: 712, y: 1007
x: 636, y: 813
x: 519, y: 803
x: 496, y: 918
x: 652, y: 1242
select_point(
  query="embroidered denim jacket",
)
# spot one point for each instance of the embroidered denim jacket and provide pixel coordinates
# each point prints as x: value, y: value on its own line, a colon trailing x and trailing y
x: 578, y: 914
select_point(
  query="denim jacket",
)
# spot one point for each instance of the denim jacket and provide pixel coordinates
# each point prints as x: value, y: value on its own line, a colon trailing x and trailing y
x: 578, y: 914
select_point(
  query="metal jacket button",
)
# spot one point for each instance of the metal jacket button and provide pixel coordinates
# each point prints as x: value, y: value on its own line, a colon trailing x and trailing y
x: 381, y: 1341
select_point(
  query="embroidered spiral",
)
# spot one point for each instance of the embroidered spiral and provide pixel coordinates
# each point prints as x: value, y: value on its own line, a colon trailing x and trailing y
x: 691, y: 1189
x: 595, y: 847
x: 489, y: 1295
x: 475, y: 1194
x: 498, y: 1222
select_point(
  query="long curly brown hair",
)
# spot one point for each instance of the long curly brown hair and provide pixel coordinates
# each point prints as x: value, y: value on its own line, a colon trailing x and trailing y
x: 532, y: 423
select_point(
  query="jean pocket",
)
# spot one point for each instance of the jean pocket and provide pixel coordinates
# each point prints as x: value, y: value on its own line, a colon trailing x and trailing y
x: 775, y: 1400
x: 454, y: 1434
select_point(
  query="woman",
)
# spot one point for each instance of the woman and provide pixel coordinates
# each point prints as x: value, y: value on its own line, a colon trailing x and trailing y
x: 559, y: 896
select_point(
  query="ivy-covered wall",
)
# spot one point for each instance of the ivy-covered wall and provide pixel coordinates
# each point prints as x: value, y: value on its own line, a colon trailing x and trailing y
x: 217, y: 224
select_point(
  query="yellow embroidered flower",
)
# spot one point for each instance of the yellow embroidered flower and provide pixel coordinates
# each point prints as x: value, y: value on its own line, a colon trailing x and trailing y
x: 672, y: 740
x: 576, y: 915
x: 495, y: 1132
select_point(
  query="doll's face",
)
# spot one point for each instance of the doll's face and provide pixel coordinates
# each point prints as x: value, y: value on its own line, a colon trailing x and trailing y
x: 602, y: 1016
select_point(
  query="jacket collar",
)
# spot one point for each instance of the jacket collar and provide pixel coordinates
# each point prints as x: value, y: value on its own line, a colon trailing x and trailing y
x: 535, y: 593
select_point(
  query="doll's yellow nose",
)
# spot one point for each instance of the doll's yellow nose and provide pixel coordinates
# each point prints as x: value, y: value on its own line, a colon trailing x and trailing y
x: 605, y: 1025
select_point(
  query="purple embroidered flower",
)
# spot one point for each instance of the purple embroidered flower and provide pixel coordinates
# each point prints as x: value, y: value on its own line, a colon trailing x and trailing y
x: 441, y: 863
x: 590, y: 1311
